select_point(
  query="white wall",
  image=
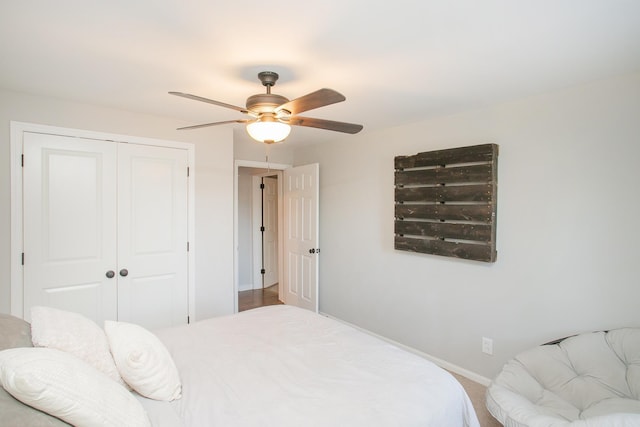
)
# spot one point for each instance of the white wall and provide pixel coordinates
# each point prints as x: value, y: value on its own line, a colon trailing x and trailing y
x: 213, y: 185
x: 567, y: 237
x: 254, y: 151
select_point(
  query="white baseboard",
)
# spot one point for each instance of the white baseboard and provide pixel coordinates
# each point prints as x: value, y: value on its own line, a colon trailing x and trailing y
x: 442, y: 363
x: 249, y: 287
x: 245, y: 287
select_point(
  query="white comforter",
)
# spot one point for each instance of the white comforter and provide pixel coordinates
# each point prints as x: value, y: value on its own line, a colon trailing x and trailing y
x: 283, y: 366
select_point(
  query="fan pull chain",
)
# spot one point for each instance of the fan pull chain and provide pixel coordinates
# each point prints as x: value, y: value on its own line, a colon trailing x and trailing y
x: 267, y: 149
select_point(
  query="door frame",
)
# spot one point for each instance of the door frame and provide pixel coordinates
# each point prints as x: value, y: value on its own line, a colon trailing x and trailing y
x: 256, y: 203
x: 277, y: 168
x: 17, y: 129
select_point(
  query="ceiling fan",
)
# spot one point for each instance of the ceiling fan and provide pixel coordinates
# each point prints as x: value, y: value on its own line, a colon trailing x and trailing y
x: 272, y: 115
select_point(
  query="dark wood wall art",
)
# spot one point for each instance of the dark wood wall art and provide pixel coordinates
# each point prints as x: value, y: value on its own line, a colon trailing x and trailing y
x: 446, y: 202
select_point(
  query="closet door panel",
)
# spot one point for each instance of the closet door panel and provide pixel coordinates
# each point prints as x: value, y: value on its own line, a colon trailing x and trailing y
x: 152, y: 235
x: 69, y: 224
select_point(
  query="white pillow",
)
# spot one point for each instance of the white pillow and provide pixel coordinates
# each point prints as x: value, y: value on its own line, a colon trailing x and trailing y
x: 143, y: 361
x: 62, y: 385
x: 73, y: 333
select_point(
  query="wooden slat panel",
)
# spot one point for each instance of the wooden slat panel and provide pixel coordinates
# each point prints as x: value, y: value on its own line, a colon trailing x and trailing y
x: 437, y: 187
x: 452, y: 249
x: 445, y: 230
x: 457, y: 193
x: 477, y: 213
x: 494, y: 202
x: 477, y: 153
x: 440, y: 175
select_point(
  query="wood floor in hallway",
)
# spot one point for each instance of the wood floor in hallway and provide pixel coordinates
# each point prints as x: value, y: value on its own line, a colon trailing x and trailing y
x: 258, y: 298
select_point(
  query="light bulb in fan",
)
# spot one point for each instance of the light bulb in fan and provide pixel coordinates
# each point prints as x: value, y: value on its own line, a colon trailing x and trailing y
x: 268, y: 129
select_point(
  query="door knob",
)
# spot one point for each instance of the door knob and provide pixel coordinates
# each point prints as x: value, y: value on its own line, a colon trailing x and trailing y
x: 110, y: 274
x: 124, y: 272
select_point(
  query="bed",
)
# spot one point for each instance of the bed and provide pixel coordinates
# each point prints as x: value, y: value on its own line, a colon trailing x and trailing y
x: 284, y: 366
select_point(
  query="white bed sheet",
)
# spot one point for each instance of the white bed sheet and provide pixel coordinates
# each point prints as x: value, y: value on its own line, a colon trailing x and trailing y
x: 283, y: 366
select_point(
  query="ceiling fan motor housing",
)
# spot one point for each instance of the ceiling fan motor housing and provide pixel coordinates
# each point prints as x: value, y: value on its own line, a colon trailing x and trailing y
x: 265, y: 102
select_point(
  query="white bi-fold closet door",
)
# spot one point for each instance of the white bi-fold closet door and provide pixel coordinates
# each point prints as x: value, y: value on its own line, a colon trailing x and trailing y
x: 105, y: 229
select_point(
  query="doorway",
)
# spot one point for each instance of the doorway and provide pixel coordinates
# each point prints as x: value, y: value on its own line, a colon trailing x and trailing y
x: 265, y: 226
x: 298, y: 230
x: 258, y: 226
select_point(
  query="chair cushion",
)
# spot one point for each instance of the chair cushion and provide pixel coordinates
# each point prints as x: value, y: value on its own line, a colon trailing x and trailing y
x: 582, y: 378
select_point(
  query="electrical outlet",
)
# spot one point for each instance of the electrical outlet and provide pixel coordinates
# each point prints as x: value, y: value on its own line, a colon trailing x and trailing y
x: 487, y: 345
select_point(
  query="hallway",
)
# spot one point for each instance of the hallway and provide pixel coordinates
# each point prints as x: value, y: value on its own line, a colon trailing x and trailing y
x: 258, y: 298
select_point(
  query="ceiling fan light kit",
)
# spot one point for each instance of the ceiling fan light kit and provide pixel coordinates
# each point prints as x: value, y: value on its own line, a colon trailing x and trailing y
x: 272, y: 115
x: 268, y: 130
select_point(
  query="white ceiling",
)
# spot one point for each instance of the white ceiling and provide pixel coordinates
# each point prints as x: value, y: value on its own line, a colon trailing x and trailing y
x: 396, y: 61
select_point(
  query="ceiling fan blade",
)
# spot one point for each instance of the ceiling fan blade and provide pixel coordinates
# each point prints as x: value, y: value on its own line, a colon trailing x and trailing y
x: 325, y: 124
x: 213, y: 124
x: 209, y: 101
x: 316, y: 99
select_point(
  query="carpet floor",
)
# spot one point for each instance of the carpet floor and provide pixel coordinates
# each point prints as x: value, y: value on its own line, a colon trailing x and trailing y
x: 476, y: 393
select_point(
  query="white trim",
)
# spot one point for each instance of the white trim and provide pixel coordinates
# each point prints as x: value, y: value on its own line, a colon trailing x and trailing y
x: 442, y: 363
x: 245, y: 287
x: 256, y: 221
x: 17, y: 129
x: 17, y: 244
x: 256, y: 218
x: 191, y: 231
x: 275, y: 167
x: 261, y: 165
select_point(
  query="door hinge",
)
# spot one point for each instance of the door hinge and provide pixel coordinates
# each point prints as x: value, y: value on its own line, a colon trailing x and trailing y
x: 263, y: 271
x: 187, y: 171
x: 262, y: 186
x: 22, y: 160
x: 187, y: 246
x: 188, y: 320
x: 262, y: 228
x: 22, y: 258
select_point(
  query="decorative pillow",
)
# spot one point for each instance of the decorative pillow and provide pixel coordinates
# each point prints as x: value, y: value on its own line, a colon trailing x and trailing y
x: 16, y: 413
x: 15, y: 332
x: 73, y: 333
x: 64, y: 386
x: 143, y: 361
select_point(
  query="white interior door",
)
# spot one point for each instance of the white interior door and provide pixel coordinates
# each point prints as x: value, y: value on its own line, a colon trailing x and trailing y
x: 152, y: 235
x: 301, y: 204
x: 69, y: 225
x: 270, y: 235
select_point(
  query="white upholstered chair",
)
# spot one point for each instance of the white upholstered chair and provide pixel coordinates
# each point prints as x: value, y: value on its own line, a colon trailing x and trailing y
x: 587, y: 380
